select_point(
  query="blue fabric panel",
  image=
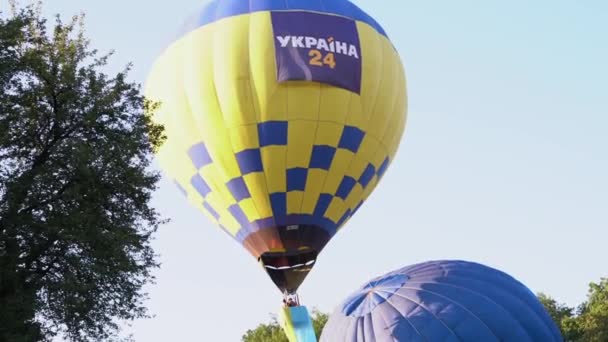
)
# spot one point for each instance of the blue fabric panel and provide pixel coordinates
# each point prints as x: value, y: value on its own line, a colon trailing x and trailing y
x: 343, y: 218
x: 322, y: 156
x: 296, y: 179
x: 278, y: 201
x: 272, y: 133
x: 220, y: 9
x: 367, y: 175
x: 239, y: 215
x: 200, y: 185
x: 309, y: 5
x: 347, y: 185
x: 250, y: 161
x: 322, y: 204
x: 264, y: 5
x: 229, y: 8
x: 351, y: 138
x: 357, y: 207
x: 211, y: 211
x: 238, y: 188
x: 199, y: 155
x: 382, y: 168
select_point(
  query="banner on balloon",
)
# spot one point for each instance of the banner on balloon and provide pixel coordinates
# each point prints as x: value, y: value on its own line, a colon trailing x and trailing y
x: 317, y: 47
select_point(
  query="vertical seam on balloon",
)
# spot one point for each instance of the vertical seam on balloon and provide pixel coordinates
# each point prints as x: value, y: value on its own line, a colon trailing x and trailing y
x: 269, y: 97
x: 423, y: 307
x: 406, y: 319
x: 379, y: 84
x: 337, y: 148
x: 369, y: 315
x: 352, y: 160
x: 258, y: 120
x: 216, y: 165
x: 392, y: 115
x: 255, y: 205
x: 451, y: 300
x: 221, y: 110
x: 403, y: 119
x: 214, y: 183
x: 173, y: 119
x: 375, y: 103
x: 312, y: 147
x: 466, y: 275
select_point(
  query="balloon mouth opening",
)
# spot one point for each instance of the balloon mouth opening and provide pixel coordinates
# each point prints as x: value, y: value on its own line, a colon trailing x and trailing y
x: 288, y: 269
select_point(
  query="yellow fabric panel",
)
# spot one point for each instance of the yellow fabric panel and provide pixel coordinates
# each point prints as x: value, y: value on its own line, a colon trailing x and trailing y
x: 393, y: 138
x: 314, y: 184
x: 212, y: 176
x: 164, y: 85
x: 334, y: 103
x: 369, y: 145
x: 392, y: 135
x: 230, y: 56
x: 230, y: 223
x: 274, y: 160
x: 353, y: 199
x: 249, y: 208
x: 370, y: 188
x: 371, y: 75
x: 378, y: 158
x: 395, y: 143
x: 199, y: 63
x: 244, y: 137
x: 382, y: 114
x: 302, y: 100
x: 328, y: 133
x: 341, y: 162
x: 256, y: 183
x: 294, y: 201
x: 215, y: 200
x: 336, y: 209
x: 270, y: 98
x: 299, y: 144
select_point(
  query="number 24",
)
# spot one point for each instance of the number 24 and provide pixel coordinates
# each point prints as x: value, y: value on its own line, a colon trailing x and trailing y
x: 316, y: 58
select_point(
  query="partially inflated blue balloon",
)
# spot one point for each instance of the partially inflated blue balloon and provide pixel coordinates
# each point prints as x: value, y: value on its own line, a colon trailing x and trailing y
x: 442, y: 301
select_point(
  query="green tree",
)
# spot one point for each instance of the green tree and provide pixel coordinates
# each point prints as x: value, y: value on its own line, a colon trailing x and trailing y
x: 563, y: 316
x: 75, y: 186
x: 589, y: 323
x: 272, y: 332
x: 593, y: 316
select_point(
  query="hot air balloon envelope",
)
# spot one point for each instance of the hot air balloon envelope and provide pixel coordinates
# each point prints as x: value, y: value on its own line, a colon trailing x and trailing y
x: 442, y: 301
x: 281, y: 118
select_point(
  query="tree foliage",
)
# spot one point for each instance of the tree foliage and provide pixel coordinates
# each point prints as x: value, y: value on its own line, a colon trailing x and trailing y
x: 588, y: 322
x: 75, y: 185
x: 272, y: 332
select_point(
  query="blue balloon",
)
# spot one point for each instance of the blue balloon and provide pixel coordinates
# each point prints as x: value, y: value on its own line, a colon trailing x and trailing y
x: 442, y: 301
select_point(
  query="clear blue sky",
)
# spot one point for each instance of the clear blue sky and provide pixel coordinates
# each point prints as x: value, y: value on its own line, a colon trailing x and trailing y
x: 504, y: 160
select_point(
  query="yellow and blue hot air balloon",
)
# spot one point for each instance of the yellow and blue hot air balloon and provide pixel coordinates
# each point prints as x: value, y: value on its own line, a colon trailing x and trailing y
x: 281, y: 118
